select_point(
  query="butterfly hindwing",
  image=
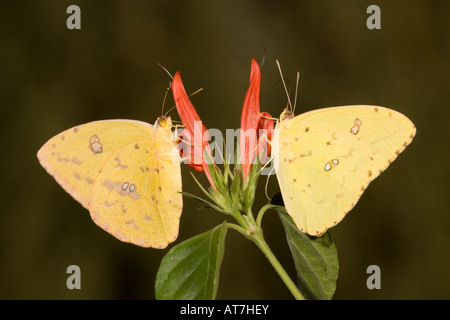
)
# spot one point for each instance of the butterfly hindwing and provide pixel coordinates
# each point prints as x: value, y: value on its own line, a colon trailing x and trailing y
x: 89, y: 160
x: 326, y: 158
x: 135, y: 197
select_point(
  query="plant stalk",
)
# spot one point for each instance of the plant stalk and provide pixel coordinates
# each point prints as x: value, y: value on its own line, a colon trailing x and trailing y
x: 254, y: 233
x: 258, y: 239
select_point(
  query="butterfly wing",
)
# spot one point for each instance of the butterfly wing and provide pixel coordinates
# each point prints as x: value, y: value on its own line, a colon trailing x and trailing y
x: 93, y: 162
x: 326, y: 158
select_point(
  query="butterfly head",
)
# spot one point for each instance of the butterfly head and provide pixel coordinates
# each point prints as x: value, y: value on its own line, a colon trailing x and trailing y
x: 286, y: 114
x: 163, y: 122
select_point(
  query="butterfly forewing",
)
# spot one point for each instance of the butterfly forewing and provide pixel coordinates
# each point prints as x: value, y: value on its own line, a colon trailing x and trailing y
x: 118, y: 169
x: 326, y: 158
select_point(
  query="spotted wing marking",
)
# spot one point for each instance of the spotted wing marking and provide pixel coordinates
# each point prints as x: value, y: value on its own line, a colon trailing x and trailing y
x: 96, y: 146
x: 357, y: 124
x: 330, y: 164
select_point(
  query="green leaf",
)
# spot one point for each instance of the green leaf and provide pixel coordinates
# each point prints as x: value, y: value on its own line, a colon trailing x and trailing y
x: 208, y: 204
x: 251, y: 184
x: 235, y: 191
x: 226, y: 166
x: 315, y: 259
x: 216, y: 174
x: 190, y: 270
x: 201, y: 187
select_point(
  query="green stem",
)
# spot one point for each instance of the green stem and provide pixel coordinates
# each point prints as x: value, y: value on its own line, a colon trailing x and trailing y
x: 240, y: 219
x: 237, y: 228
x: 262, y: 211
x: 262, y: 244
x: 255, y: 234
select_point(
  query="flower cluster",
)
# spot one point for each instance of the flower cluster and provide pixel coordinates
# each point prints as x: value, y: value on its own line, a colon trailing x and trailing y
x: 255, y: 131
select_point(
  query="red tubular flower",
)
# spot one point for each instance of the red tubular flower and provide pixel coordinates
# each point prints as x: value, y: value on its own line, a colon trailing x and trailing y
x: 265, y: 126
x: 254, y: 123
x: 194, y: 132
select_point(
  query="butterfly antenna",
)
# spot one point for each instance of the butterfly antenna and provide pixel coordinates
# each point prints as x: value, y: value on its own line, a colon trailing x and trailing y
x: 192, y: 94
x: 296, y: 91
x: 167, y: 90
x: 201, y: 89
x: 162, y: 67
x: 164, y: 102
x: 284, y: 84
x: 263, y: 58
x: 169, y: 110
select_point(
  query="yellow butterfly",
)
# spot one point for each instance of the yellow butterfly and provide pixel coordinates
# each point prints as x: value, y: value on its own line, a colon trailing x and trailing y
x: 325, y: 159
x: 126, y: 173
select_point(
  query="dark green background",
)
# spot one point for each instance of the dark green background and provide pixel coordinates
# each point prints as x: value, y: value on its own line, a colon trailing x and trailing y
x: 53, y: 78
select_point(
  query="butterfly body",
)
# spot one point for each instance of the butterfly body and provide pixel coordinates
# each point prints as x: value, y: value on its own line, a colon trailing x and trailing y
x: 326, y: 158
x: 126, y: 173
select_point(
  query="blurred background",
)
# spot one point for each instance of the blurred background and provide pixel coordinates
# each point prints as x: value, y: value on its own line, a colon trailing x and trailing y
x: 53, y: 78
